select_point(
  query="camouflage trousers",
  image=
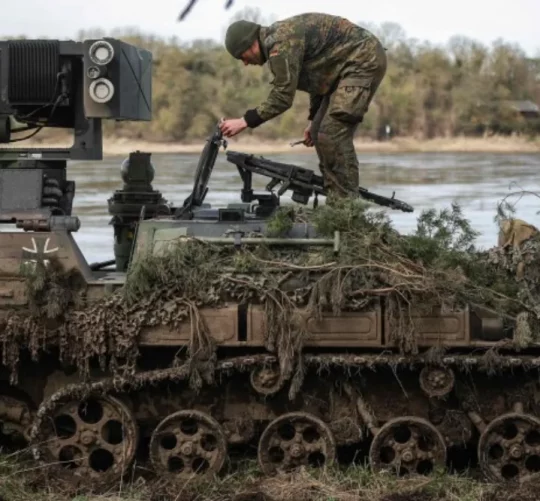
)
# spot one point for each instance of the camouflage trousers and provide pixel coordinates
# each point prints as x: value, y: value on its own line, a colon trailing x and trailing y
x: 335, y: 124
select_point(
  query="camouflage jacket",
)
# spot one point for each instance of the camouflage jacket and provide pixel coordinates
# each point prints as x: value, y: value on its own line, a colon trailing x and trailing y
x: 311, y: 52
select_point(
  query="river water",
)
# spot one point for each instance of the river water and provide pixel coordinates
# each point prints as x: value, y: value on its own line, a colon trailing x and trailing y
x: 477, y: 181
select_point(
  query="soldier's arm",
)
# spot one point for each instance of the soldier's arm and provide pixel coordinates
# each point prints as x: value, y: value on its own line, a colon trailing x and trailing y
x: 285, y: 60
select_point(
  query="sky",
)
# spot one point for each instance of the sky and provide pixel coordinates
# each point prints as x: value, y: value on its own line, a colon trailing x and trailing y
x: 432, y: 20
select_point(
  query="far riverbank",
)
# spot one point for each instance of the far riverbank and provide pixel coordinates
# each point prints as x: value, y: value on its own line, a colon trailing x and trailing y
x: 496, y: 144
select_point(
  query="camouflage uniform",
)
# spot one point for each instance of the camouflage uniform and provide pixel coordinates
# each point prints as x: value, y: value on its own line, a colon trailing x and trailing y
x: 341, y: 66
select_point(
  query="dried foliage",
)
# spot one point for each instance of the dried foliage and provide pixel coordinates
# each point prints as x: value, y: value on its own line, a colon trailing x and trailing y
x: 437, y: 268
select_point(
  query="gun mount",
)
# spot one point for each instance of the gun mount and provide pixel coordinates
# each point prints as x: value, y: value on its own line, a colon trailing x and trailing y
x: 68, y: 85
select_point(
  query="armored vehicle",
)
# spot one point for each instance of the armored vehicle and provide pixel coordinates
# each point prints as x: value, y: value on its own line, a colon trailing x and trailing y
x: 216, y: 328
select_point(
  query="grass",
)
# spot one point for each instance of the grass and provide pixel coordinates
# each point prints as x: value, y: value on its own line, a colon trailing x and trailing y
x: 23, y: 481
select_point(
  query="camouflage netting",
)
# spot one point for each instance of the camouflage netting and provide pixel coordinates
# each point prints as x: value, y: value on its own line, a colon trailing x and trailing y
x: 437, y: 267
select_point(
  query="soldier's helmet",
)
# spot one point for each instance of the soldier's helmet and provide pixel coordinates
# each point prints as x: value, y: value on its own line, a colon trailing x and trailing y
x: 240, y: 36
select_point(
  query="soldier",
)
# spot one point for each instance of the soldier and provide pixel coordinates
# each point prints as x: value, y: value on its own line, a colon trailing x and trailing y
x: 338, y: 63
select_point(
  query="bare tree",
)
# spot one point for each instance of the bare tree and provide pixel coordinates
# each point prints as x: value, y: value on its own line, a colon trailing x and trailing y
x: 191, y: 4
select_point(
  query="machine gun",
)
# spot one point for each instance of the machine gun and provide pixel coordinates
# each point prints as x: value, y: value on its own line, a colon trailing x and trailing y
x: 302, y: 182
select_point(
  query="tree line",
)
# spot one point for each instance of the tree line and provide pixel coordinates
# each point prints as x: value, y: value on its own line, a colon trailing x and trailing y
x: 461, y: 88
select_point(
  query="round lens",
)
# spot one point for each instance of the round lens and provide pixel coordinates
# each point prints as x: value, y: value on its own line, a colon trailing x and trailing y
x: 101, y: 52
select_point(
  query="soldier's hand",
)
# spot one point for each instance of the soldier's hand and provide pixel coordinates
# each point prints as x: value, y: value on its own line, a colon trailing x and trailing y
x: 308, y: 140
x: 233, y: 126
